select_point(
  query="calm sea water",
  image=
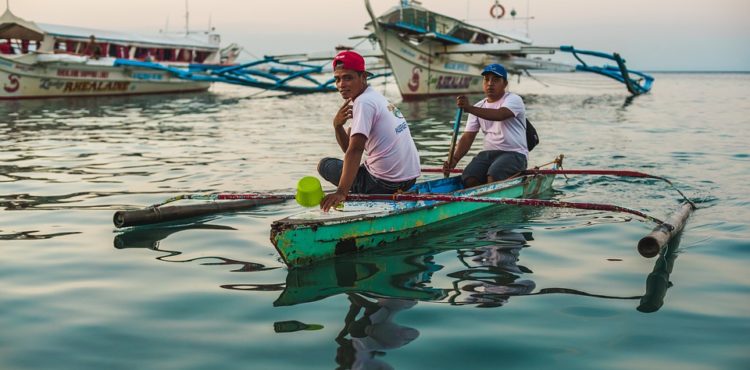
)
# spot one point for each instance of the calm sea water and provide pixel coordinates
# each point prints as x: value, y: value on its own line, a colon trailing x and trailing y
x: 524, y: 288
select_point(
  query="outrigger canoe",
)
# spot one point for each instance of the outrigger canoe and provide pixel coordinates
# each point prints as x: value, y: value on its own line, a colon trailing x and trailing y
x: 369, y: 221
x: 315, y: 235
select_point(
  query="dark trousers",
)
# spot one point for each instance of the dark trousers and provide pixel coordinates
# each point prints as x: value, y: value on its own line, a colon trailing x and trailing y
x: 496, y: 163
x: 364, y: 183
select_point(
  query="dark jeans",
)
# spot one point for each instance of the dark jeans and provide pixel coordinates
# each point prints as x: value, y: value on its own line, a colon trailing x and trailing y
x: 496, y: 163
x: 364, y: 183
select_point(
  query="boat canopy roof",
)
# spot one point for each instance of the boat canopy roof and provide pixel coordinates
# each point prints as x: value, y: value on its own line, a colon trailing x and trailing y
x: 13, y: 27
x: 160, y: 40
x: 414, y: 18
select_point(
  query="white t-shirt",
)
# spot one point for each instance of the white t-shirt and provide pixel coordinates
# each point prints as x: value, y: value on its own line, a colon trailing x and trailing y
x: 508, y: 135
x: 391, y: 152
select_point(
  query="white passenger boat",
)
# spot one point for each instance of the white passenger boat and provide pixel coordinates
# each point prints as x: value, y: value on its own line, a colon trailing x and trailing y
x: 43, y: 60
x: 432, y: 54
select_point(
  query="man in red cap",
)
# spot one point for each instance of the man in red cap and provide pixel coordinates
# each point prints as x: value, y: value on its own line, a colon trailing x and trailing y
x: 378, y: 129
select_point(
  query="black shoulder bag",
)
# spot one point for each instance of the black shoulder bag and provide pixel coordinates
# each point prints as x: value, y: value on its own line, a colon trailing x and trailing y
x: 532, y: 138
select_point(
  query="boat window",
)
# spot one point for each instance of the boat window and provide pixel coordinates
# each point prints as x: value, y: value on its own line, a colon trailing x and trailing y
x: 419, y: 18
x: 60, y: 47
x: 185, y: 55
x: 5, y: 47
x: 18, y: 46
x: 464, y: 34
x: 200, y: 56
x: 119, y: 51
x: 393, y: 18
x: 112, y: 50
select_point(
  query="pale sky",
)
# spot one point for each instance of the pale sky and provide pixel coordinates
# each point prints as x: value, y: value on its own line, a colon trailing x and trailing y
x: 650, y: 34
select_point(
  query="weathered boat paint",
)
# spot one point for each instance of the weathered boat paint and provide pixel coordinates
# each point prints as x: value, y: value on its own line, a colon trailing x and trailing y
x: 395, y: 275
x: 315, y: 235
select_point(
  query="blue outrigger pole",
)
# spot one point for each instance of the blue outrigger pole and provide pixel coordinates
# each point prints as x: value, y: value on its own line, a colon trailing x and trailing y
x: 276, y: 74
x: 620, y: 73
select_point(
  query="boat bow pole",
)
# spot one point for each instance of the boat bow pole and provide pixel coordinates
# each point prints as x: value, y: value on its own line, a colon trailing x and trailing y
x: 620, y: 73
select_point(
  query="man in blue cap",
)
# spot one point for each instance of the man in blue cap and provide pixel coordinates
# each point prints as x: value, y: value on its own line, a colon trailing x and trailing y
x: 501, y: 116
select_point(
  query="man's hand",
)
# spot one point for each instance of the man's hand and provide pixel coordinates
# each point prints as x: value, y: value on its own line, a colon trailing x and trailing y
x: 344, y: 113
x: 332, y: 200
x: 462, y: 102
x: 448, y: 166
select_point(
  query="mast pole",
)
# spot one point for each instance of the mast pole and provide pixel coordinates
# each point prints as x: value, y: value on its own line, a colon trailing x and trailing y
x: 187, y: 18
x: 528, y: 16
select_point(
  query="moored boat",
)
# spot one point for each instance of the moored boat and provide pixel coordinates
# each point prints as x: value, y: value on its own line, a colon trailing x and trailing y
x: 314, y: 235
x: 431, y: 54
x: 45, y: 60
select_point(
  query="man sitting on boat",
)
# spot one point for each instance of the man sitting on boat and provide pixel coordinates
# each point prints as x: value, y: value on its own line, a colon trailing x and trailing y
x: 501, y: 116
x: 93, y: 49
x: 378, y: 129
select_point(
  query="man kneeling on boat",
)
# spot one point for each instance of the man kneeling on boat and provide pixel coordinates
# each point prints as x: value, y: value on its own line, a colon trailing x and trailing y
x: 378, y: 129
x: 501, y: 116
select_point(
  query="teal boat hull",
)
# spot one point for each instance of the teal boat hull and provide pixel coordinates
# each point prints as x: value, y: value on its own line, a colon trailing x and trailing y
x: 314, y: 236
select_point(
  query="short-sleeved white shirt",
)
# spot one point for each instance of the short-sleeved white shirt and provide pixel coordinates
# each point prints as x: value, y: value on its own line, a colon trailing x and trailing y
x: 507, y: 135
x: 391, y: 152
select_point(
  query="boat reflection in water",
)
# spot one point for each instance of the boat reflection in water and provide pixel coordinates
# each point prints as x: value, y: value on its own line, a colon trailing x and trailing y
x: 363, y: 340
x: 379, y: 284
x: 149, y: 237
x: 401, y: 274
x: 490, y: 253
x: 657, y: 281
x: 493, y: 274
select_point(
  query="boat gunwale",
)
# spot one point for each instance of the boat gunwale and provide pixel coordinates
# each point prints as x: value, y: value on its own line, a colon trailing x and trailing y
x: 287, y: 222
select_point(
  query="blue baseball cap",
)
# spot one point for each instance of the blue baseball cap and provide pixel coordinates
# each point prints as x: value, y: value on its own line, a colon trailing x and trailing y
x: 496, y: 69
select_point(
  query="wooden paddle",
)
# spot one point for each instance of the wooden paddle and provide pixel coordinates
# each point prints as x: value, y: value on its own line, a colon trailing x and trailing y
x: 456, y: 126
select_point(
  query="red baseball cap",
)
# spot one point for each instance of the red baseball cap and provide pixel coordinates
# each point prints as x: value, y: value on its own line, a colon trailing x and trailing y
x: 349, y: 60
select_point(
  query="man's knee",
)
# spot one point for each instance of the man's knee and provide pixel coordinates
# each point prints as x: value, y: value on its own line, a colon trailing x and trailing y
x: 330, y: 169
x: 471, y: 182
x: 323, y: 165
x: 320, y: 166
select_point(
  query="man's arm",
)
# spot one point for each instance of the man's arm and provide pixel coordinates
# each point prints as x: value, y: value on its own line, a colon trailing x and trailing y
x: 351, y: 165
x: 490, y: 114
x: 463, y: 146
x: 342, y: 135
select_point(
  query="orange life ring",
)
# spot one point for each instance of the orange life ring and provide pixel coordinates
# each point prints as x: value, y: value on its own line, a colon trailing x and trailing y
x: 496, y: 7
